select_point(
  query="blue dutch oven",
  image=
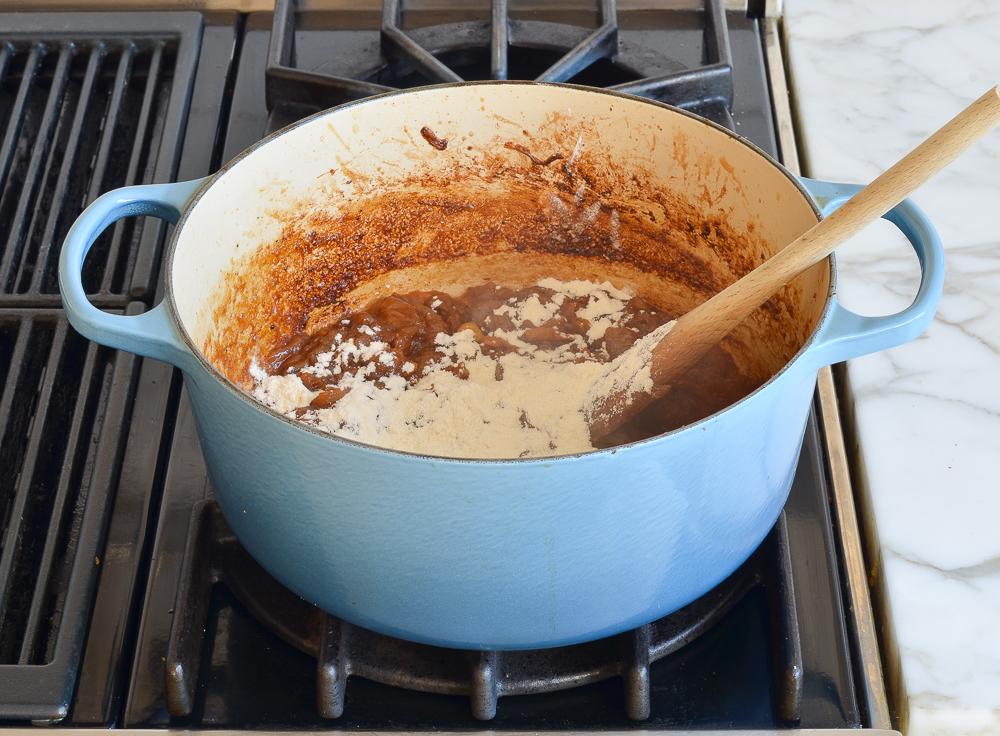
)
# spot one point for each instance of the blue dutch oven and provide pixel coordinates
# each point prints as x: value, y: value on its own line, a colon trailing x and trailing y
x: 496, y: 554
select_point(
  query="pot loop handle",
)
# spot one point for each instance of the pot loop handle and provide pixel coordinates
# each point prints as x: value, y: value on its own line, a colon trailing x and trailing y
x: 847, y: 334
x: 153, y: 334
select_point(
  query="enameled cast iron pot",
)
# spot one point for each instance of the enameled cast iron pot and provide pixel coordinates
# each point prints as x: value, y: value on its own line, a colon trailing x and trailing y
x: 518, y: 553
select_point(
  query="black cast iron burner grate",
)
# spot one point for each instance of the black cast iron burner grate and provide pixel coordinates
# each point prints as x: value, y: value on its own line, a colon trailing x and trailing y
x: 88, y: 102
x: 62, y: 401
x: 504, y: 47
x: 215, y: 556
x: 84, y: 110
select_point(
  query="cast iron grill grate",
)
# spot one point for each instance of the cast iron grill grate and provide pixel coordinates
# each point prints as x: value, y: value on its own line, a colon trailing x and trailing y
x: 506, y: 47
x: 54, y: 393
x: 215, y: 556
x: 88, y: 102
x: 83, y: 119
x: 62, y: 402
x: 80, y: 116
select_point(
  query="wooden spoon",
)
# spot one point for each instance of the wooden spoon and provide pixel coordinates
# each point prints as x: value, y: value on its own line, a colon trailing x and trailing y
x: 670, y: 351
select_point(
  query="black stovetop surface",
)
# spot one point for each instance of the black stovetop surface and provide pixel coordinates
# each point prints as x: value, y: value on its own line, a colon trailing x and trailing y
x: 208, y: 71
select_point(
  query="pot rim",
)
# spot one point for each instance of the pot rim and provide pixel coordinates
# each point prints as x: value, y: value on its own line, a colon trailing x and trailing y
x: 228, y: 385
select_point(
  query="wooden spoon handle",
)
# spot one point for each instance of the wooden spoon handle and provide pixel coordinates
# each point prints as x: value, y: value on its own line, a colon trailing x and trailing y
x: 709, y: 322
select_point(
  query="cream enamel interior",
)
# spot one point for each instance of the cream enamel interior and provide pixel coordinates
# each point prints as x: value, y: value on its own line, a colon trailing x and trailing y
x: 356, y: 151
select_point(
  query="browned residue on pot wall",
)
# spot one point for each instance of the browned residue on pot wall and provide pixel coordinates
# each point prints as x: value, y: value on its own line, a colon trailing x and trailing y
x: 556, y: 201
x: 432, y: 139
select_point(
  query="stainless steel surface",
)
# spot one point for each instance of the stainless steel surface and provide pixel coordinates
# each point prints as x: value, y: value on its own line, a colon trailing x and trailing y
x: 874, y: 571
x: 845, y: 513
x: 859, y: 598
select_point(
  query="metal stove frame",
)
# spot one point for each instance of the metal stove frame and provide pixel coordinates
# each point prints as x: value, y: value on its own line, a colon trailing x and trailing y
x: 711, y: 82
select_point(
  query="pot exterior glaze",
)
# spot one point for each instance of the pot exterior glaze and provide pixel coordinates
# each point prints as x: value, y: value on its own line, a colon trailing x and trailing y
x: 501, y: 556
x: 498, y: 554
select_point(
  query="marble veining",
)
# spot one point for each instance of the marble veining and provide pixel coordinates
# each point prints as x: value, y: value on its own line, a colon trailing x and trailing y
x: 870, y: 80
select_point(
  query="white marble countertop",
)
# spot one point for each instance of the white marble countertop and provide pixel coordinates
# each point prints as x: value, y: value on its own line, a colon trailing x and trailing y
x: 870, y: 79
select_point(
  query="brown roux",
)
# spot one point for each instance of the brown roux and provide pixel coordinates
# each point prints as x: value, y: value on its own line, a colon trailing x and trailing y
x: 408, y: 323
x: 319, y: 259
x: 503, y: 199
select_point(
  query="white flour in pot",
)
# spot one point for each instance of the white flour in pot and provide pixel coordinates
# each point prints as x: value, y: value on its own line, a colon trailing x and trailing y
x: 527, y: 403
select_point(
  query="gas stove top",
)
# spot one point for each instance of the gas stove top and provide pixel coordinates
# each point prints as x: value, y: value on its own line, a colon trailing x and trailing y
x: 126, y: 602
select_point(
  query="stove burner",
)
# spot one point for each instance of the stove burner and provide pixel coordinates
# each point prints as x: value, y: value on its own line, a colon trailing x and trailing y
x: 474, y: 63
x: 215, y: 556
x: 506, y: 48
x: 501, y: 47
